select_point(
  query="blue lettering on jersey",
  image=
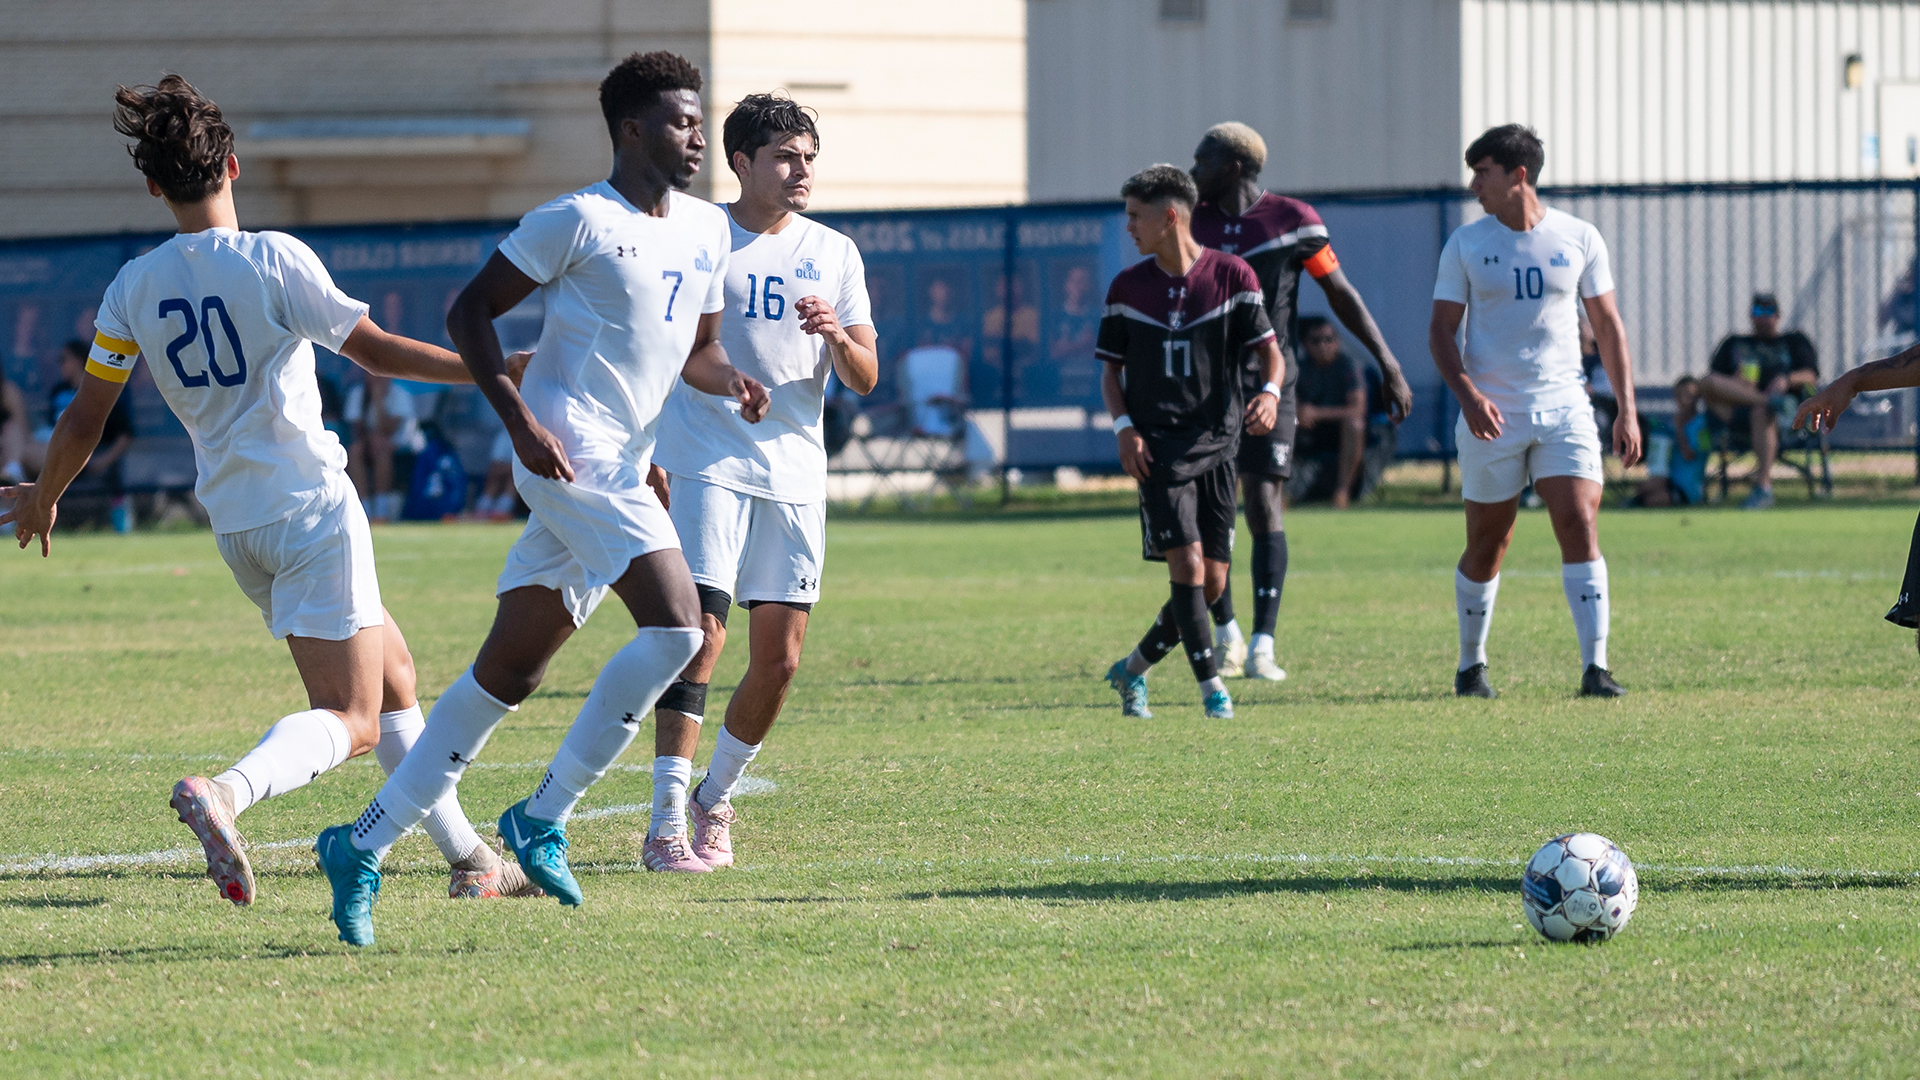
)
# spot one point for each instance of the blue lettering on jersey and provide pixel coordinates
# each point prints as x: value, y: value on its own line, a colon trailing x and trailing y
x: 1559, y: 259
x: 703, y: 260
x: 806, y: 271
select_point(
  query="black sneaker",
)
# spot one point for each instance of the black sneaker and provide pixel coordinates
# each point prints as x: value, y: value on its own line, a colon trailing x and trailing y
x: 1473, y: 683
x: 1598, y: 682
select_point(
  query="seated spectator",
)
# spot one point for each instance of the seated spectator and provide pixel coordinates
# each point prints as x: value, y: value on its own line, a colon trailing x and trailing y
x: 102, y: 476
x: 1677, y: 454
x: 13, y: 433
x: 499, y: 501
x: 1755, y: 382
x: 382, y: 420
x: 1332, y: 407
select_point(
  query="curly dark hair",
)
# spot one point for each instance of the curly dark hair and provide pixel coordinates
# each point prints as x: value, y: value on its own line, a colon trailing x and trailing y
x: 760, y: 119
x: 1161, y: 182
x: 637, y: 82
x: 182, y: 143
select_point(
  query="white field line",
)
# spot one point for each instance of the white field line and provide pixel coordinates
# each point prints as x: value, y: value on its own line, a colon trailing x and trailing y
x: 70, y: 864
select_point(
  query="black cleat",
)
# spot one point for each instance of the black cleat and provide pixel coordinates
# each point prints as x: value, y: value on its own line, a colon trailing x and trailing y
x: 1598, y: 682
x: 1473, y: 683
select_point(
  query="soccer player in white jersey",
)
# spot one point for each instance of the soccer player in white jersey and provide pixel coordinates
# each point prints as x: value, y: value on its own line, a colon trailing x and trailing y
x: 631, y: 270
x: 227, y: 321
x: 749, y: 502
x: 1516, y: 276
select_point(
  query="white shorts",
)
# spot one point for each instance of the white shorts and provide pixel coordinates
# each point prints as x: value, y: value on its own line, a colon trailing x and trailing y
x: 1532, y: 445
x: 578, y: 541
x: 311, y: 575
x: 749, y: 547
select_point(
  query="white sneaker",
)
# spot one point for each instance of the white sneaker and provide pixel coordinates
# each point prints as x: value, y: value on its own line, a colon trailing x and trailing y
x: 1233, y: 656
x: 1261, y: 666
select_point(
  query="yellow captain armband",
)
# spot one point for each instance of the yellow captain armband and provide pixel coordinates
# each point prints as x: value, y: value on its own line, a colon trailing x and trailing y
x: 111, y: 358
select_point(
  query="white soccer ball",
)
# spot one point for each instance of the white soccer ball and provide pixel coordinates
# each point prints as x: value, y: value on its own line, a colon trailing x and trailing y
x: 1579, y: 887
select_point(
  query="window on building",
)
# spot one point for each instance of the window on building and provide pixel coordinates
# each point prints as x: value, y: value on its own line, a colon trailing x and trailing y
x: 1191, y: 11
x: 1309, y: 10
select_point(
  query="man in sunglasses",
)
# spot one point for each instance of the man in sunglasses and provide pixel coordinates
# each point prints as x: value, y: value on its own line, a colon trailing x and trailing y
x: 1756, y: 380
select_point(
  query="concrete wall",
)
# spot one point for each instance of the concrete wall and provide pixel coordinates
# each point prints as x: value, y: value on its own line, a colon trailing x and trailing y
x: 1368, y: 98
x: 921, y: 106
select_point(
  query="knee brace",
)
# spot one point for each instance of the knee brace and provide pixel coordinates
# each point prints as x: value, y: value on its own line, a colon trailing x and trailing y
x: 685, y: 697
x: 714, y: 602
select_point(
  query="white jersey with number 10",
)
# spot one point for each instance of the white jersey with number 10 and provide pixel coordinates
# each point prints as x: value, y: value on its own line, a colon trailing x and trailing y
x: 226, y: 320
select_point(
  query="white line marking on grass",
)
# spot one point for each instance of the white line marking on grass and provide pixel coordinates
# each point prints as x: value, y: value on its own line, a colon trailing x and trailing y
x: 71, y: 864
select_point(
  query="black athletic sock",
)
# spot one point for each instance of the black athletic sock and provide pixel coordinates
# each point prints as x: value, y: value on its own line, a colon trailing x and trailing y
x: 1269, y: 579
x: 1222, y: 608
x: 1190, y: 611
x: 1161, y: 637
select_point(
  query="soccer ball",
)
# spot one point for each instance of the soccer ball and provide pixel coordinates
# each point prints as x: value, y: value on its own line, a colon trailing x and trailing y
x: 1579, y: 887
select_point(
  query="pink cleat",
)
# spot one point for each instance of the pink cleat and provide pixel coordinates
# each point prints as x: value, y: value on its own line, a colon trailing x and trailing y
x: 672, y: 854
x: 712, y: 831
x: 202, y: 809
x: 484, y: 875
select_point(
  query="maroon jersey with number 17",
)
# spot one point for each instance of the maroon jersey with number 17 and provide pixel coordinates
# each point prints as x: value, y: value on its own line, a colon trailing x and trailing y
x: 1180, y: 342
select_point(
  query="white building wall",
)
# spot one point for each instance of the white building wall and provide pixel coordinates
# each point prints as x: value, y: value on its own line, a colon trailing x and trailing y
x: 1366, y: 99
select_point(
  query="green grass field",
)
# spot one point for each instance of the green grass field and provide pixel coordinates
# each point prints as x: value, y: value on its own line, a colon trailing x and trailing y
x: 971, y: 865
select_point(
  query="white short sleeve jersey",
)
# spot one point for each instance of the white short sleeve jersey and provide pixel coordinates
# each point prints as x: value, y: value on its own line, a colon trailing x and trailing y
x: 784, y: 456
x: 624, y: 292
x: 1522, y: 291
x: 227, y: 322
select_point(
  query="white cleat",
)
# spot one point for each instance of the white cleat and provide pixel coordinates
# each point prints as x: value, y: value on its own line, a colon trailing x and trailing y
x: 1233, y: 656
x: 1261, y: 666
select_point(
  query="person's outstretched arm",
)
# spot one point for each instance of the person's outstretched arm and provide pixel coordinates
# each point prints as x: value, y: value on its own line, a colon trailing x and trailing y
x: 1821, y: 411
x: 74, y: 439
x: 492, y: 293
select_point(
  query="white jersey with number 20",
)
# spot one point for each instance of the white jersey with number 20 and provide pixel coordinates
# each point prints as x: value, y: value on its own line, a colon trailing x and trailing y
x: 784, y: 456
x: 1522, y: 293
x: 226, y: 320
x: 624, y: 292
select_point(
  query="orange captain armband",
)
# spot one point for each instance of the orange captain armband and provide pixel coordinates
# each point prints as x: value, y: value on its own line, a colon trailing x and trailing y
x: 111, y: 358
x: 1322, y: 263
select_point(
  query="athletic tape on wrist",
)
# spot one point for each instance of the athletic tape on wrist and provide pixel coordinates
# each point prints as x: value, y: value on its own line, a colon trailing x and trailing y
x: 685, y: 697
x: 1122, y: 423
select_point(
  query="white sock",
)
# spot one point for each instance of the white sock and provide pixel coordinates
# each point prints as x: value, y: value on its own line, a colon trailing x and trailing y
x: 456, y: 730
x: 292, y: 752
x: 446, y: 823
x: 1137, y: 664
x: 625, y: 691
x: 729, y: 764
x: 670, y: 778
x: 1208, y: 686
x: 1262, y: 645
x: 1223, y: 635
x: 1586, y: 587
x: 1473, y: 601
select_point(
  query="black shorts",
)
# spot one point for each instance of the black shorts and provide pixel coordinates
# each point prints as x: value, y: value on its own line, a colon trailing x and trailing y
x: 1198, y: 510
x: 1270, y: 454
x: 1906, y: 610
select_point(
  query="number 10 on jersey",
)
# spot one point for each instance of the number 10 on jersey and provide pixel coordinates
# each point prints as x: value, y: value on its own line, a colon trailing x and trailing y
x: 1530, y: 287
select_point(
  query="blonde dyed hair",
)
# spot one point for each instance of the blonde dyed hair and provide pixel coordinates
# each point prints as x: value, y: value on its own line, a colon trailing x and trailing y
x: 1239, y: 139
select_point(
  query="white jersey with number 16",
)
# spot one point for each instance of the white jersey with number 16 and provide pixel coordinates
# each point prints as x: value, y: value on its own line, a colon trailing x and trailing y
x: 783, y: 457
x: 226, y: 320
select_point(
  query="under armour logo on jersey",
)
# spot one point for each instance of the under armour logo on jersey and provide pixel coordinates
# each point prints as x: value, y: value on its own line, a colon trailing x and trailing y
x: 630, y: 720
x: 458, y: 760
x: 1584, y: 596
x: 624, y: 251
x: 1494, y: 259
x: 807, y: 271
x: 1559, y: 259
x: 1231, y: 228
x: 703, y: 260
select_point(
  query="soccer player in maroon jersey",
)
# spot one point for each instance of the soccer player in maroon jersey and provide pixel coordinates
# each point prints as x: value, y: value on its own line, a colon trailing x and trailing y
x: 1279, y: 237
x: 1178, y: 327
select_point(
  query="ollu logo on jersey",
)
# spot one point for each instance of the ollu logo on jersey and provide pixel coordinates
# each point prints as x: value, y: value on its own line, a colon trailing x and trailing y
x: 703, y: 260
x: 806, y: 271
x: 1559, y: 259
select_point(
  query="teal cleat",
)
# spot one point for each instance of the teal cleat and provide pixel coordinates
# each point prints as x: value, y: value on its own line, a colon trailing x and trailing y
x: 1219, y: 706
x: 1133, y: 691
x: 541, y: 847
x: 355, y: 876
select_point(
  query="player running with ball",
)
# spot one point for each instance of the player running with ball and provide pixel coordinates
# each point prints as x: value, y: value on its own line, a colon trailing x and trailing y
x: 750, y: 501
x: 1524, y: 414
x: 1176, y: 329
x: 235, y: 315
x: 631, y: 270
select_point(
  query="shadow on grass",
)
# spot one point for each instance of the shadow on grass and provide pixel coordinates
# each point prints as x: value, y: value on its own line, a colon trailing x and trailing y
x: 53, y: 901
x: 1449, y: 946
x: 1154, y: 891
x: 1678, y: 882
